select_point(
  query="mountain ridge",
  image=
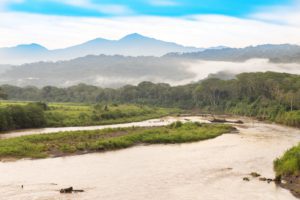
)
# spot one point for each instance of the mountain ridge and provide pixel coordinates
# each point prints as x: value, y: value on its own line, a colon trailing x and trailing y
x: 130, y: 45
x: 277, y: 53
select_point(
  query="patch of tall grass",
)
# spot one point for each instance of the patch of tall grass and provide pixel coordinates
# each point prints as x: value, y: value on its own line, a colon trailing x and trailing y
x: 66, y: 143
x: 289, y: 163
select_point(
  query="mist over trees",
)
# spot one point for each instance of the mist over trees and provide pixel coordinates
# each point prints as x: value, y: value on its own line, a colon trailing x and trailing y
x: 281, y: 53
x: 267, y: 95
x: 107, y: 71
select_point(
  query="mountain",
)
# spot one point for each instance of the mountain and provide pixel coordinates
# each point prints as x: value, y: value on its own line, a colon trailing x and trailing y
x: 3, y: 68
x: 22, y: 53
x: 118, y: 70
x: 283, y: 53
x: 130, y: 45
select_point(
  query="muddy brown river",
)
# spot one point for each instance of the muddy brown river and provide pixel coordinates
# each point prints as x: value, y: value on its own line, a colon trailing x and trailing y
x: 206, y: 170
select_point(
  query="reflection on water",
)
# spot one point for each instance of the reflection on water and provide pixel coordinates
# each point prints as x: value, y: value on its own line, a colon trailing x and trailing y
x: 207, y: 170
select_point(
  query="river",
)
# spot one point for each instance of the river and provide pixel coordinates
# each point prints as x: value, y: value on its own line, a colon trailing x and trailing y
x: 206, y: 170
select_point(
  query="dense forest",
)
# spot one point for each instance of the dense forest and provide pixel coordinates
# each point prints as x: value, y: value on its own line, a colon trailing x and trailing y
x: 268, y: 96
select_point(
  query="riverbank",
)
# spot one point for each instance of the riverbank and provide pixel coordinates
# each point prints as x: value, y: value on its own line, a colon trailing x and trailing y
x: 288, y: 168
x: 81, y: 142
x: 287, y: 118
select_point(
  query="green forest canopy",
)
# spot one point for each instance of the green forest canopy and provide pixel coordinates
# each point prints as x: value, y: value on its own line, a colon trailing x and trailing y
x: 269, y: 95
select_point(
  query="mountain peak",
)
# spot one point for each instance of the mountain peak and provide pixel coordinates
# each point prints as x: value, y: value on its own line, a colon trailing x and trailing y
x: 96, y: 40
x: 134, y: 36
x: 32, y: 46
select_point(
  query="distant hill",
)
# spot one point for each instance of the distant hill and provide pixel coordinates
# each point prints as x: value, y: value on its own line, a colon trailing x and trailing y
x: 22, y: 53
x: 3, y: 68
x: 118, y: 70
x: 284, y: 53
x: 102, y: 70
x: 130, y: 45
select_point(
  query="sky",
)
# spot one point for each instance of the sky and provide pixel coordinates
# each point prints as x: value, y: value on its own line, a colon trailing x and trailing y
x: 201, y: 23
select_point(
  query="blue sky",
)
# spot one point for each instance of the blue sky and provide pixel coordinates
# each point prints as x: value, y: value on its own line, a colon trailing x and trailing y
x: 172, y: 8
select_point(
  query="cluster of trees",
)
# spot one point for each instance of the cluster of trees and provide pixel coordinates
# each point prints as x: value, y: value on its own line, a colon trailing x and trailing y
x: 272, y: 96
x: 265, y: 95
x: 2, y: 94
x: 160, y: 94
x: 22, y: 116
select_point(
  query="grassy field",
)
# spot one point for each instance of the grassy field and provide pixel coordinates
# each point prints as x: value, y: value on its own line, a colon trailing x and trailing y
x: 289, y: 163
x: 75, y: 114
x: 82, y: 115
x: 287, y: 168
x: 77, y: 142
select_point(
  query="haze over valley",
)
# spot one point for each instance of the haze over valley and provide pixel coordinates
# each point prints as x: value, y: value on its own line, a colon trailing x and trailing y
x: 136, y: 58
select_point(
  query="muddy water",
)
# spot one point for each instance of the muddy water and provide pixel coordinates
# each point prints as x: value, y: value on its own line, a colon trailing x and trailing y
x: 207, y: 170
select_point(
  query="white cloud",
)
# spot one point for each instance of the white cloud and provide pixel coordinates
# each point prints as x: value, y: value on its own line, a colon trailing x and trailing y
x: 201, y: 30
x: 289, y: 15
x: 4, y: 3
x: 114, y: 9
x: 83, y: 3
x: 163, y: 3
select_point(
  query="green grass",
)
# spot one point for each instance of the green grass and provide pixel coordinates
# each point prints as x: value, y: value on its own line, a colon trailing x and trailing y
x: 83, y: 115
x: 289, y: 163
x: 76, y: 114
x: 291, y: 118
x: 4, y: 103
x: 68, y: 143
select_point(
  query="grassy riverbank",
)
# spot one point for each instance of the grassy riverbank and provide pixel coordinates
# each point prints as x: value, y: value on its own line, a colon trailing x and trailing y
x: 269, y: 112
x: 289, y: 163
x: 18, y: 115
x: 291, y: 118
x: 288, y: 168
x: 77, y: 142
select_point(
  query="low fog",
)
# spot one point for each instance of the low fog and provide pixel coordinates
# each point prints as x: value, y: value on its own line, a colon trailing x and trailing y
x: 202, y: 69
x: 197, y: 70
x: 116, y: 72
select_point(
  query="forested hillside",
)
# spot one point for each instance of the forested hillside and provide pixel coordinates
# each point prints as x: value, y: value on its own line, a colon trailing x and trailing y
x: 282, y: 53
x: 272, y: 96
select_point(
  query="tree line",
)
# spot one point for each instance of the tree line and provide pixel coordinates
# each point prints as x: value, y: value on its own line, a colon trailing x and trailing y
x: 270, y: 95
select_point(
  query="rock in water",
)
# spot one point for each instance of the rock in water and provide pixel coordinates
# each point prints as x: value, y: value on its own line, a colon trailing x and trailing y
x: 246, y: 179
x: 254, y: 174
x: 263, y: 179
x: 66, y: 190
x: 69, y: 190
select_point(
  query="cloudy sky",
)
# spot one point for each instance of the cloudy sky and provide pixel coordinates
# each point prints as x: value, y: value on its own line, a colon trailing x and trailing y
x: 201, y: 23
